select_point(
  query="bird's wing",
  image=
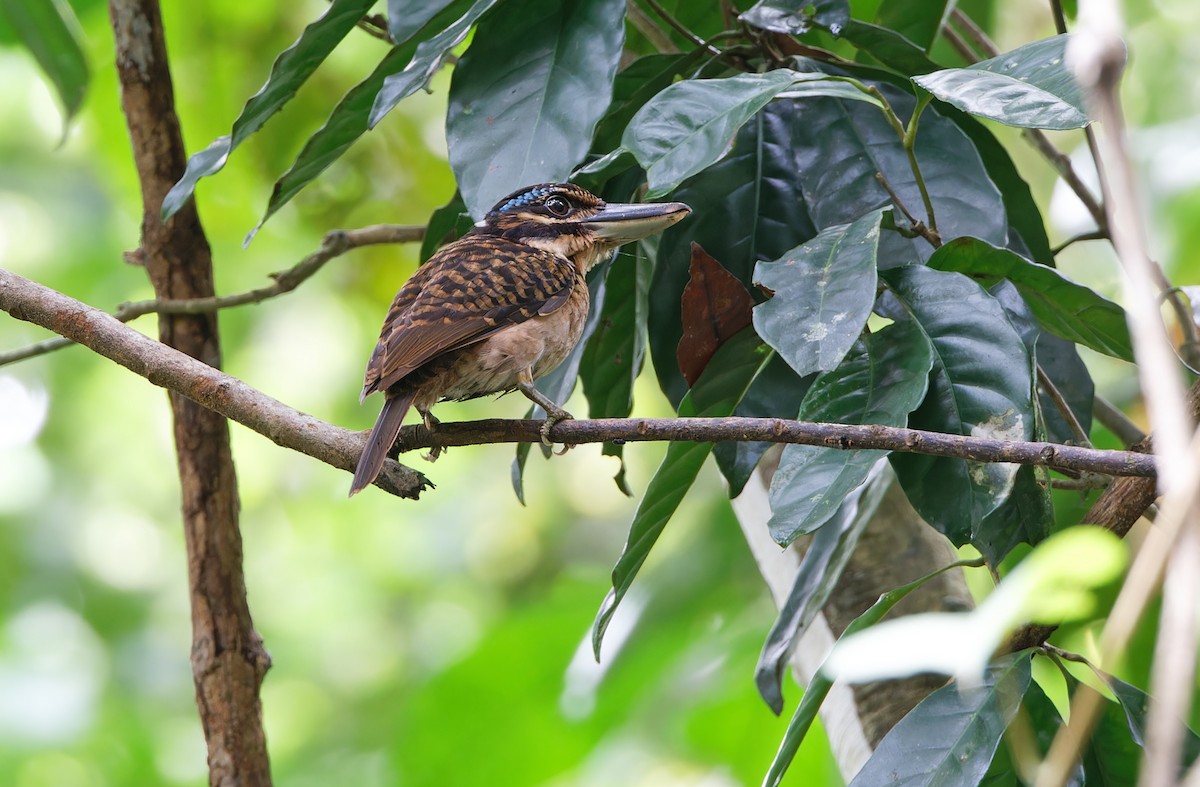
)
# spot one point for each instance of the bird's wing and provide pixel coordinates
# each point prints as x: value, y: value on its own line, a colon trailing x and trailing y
x: 473, y: 288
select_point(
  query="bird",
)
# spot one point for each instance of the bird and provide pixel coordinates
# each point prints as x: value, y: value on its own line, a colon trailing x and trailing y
x: 498, y: 308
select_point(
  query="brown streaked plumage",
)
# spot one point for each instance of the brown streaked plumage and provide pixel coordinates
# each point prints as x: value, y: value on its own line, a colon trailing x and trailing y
x: 498, y: 308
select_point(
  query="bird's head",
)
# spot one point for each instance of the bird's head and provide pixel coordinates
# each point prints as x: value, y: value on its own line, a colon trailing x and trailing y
x: 574, y: 223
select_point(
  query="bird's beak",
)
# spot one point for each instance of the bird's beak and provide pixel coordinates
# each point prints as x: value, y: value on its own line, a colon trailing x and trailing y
x: 622, y: 223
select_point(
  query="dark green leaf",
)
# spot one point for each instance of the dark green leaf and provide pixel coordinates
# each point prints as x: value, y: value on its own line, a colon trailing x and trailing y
x: 823, y: 293
x: 842, y: 145
x: 289, y: 71
x: 748, y: 207
x: 1025, y: 517
x: 981, y: 385
x: 636, y: 84
x: 777, y: 391
x: 919, y: 22
x: 425, y: 61
x: 889, y: 48
x: 1061, y: 306
x: 716, y: 393
x: 818, y: 573
x: 794, y: 17
x: 880, y: 382
x: 1024, y: 216
x: 1029, y: 87
x: 614, y: 355
x: 819, y: 686
x: 406, y: 17
x: 1134, y: 705
x: 951, y: 737
x: 448, y: 223
x: 50, y: 31
x: 526, y: 95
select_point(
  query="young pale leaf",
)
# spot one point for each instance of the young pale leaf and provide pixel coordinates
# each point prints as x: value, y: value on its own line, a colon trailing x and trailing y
x: 796, y: 17
x: 1029, y: 87
x: 425, y: 62
x: 748, y: 207
x: 951, y: 737
x: 819, y: 686
x: 50, y: 31
x: 823, y: 293
x: 881, y: 381
x: 716, y: 393
x: 289, y: 71
x: 1061, y: 306
x: 981, y: 385
x: 527, y: 94
x: 818, y: 573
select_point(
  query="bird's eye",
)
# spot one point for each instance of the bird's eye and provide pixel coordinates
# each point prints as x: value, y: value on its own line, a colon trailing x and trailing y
x: 558, y: 206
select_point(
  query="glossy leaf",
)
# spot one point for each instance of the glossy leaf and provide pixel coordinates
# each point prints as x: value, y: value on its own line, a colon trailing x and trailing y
x: 821, y: 683
x: 1062, y: 307
x: 795, y: 17
x: 290, y: 70
x: 888, y: 47
x: 636, y: 84
x: 823, y: 293
x: 425, y: 62
x: 716, y: 393
x: 446, y: 224
x: 918, y: 22
x: 817, y: 575
x: 980, y: 385
x: 692, y: 124
x: 406, y: 17
x: 527, y: 94
x: 1121, y: 736
x: 1029, y: 87
x: 842, y: 145
x: 951, y: 737
x: 747, y: 207
x: 881, y: 381
x: 50, y: 31
x: 715, y: 307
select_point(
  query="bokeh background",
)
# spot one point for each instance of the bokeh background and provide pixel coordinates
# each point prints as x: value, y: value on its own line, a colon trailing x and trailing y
x: 439, y: 642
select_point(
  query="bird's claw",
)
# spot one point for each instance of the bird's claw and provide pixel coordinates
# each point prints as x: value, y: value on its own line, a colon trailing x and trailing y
x: 551, y: 419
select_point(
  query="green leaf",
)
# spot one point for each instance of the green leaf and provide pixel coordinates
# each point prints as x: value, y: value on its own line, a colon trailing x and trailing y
x: 889, y: 48
x: 823, y: 293
x: 1064, y: 308
x: 795, y: 17
x: 951, y: 737
x: 981, y: 385
x: 821, y: 683
x: 406, y: 17
x: 50, y: 31
x: 842, y: 145
x: 1029, y: 87
x: 720, y: 387
x: 1119, y: 739
x: 817, y: 575
x: 425, y: 61
x: 748, y: 207
x: 527, y: 94
x: 615, y: 352
x: 636, y: 84
x: 881, y: 381
x: 447, y: 223
x: 290, y: 70
x: 918, y: 22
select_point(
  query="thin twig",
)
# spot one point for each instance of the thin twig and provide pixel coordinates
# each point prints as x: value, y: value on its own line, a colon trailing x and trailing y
x: 1116, y: 422
x: 642, y: 22
x: 916, y: 224
x: 1083, y: 236
x: 375, y: 25
x: 334, y: 244
x: 679, y: 27
x: 1060, y: 402
x: 960, y: 44
x: 1089, y: 482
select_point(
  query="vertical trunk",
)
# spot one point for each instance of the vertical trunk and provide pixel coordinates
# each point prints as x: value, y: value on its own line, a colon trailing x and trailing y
x: 228, y: 659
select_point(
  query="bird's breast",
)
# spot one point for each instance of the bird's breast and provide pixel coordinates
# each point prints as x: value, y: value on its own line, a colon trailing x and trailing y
x: 540, y: 343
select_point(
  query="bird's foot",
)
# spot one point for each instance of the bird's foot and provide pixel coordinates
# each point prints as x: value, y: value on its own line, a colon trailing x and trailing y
x: 553, y: 416
x: 435, y: 449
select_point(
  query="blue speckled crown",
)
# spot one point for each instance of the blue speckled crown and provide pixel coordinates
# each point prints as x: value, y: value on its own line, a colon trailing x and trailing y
x: 524, y: 199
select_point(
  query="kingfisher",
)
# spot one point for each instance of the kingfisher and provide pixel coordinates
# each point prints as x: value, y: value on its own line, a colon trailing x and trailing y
x: 498, y: 308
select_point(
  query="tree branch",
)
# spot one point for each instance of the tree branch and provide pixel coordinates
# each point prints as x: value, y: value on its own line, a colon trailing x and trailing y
x: 335, y: 243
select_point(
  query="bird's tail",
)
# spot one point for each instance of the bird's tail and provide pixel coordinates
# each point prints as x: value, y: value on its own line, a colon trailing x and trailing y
x: 381, y: 439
